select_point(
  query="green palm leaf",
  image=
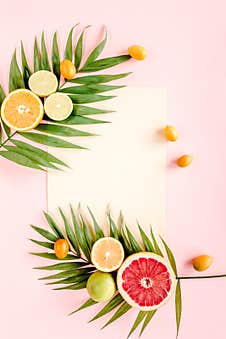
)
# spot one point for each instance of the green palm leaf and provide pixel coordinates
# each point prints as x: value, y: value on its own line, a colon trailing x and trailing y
x: 46, y: 234
x: 52, y: 224
x: 68, y: 274
x: 114, y: 231
x: 45, y: 58
x: 155, y: 243
x: 178, y: 305
x: 63, y: 266
x: 134, y: 244
x: 89, y: 89
x: 120, y: 312
x: 87, y: 233
x: 137, y: 322
x: 78, y: 49
x: 88, y: 303
x: 77, y: 286
x: 96, y: 52
x: 26, y: 72
x: 98, y: 231
x: 37, y: 57
x: 45, y: 155
x: 149, y: 316
x: 55, y: 57
x: 89, y: 98
x: 48, y: 140
x: 68, y: 47
x: 98, y: 79
x: 53, y: 256
x: 20, y: 159
x: 45, y: 244
x: 70, y: 233
x: 113, y: 303
x: 4, y: 126
x: 101, y: 64
x: 62, y: 131
x: 146, y: 241
x: 16, y: 80
x: 81, y: 120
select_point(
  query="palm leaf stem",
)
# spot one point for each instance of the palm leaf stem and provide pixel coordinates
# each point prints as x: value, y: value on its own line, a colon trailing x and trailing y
x: 202, y: 277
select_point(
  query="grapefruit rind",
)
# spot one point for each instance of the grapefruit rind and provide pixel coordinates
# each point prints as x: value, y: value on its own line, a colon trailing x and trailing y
x: 94, y: 259
x: 125, y: 295
x: 37, y: 121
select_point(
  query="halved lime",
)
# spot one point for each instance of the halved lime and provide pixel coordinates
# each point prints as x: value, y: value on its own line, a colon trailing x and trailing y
x: 43, y: 83
x: 58, y: 106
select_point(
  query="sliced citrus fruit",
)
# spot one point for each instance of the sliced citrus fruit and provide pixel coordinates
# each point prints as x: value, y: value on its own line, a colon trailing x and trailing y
x: 107, y: 254
x: 22, y: 110
x: 146, y: 281
x: 58, y: 106
x: 43, y: 83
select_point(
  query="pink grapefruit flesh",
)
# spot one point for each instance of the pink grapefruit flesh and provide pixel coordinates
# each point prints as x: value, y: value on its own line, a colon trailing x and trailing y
x: 146, y: 281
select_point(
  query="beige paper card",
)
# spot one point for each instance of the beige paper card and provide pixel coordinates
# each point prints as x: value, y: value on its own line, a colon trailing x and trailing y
x: 125, y: 166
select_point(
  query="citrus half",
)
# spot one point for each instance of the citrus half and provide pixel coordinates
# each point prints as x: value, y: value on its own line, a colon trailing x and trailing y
x: 107, y: 254
x: 43, y: 83
x: 58, y: 106
x: 22, y: 110
x: 146, y: 281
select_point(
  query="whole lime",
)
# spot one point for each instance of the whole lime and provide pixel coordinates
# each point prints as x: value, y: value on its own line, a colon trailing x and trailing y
x: 101, y: 286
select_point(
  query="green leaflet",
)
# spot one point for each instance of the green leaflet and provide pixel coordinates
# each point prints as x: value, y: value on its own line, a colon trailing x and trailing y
x: 52, y: 224
x: 55, y: 57
x: 81, y: 120
x: 53, y: 256
x: 120, y: 312
x: 20, y: 159
x: 88, y: 303
x: 80, y: 235
x: 170, y: 256
x: 32, y: 156
x: 63, y: 266
x: 45, y: 244
x: 98, y: 79
x: 155, y: 243
x: 114, y: 231
x: 149, y: 316
x: 87, y: 110
x: 45, y: 155
x: 26, y: 72
x: 68, y: 47
x: 89, y: 89
x: 71, y: 280
x: 88, y: 235
x: 5, y: 127
x: 16, y: 80
x: 77, y: 286
x: 62, y: 130
x: 37, y: 57
x: 68, y: 274
x: 126, y: 242
x: 89, y: 98
x: 137, y: 322
x: 146, y: 241
x: 45, y: 234
x: 96, y: 52
x: 48, y: 140
x: 2, y: 95
x: 178, y: 305
x: 45, y: 58
x: 98, y: 231
x: 70, y: 233
x: 134, y: 244
x: 78, y: 49
x: 101, y: 64
x: 113, y: 303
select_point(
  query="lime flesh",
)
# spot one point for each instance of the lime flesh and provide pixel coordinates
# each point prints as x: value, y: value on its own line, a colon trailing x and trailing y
x: 43, y: 83
x: 58, y: 106
x: 101, y: 286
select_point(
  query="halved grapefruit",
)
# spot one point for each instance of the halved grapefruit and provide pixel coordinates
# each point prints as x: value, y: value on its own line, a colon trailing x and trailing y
x: 146, y: 281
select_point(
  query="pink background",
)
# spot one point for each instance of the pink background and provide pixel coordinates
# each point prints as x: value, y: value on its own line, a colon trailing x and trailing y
x: 186, y: 41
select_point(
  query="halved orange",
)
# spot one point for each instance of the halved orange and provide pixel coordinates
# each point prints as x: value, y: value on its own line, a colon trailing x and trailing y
x: 107, y: 254
x: 22, y: 110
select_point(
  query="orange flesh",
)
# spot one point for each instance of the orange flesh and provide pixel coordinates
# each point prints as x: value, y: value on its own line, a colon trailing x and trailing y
x: 22, y: 110
x: 107, y: 254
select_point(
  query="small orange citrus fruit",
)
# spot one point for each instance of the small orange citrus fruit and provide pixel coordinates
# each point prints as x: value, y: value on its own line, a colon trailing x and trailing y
x: 67, y: 69
x: 184, y: 161
x: 170, y: 133
x: 202, y: 262
x: 107, y: 254
x: 137, y: 52
x: 61, y: 248
x: 22, y: 110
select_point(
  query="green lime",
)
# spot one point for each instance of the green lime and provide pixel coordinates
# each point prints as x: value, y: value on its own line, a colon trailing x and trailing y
x: 101, y: 286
